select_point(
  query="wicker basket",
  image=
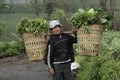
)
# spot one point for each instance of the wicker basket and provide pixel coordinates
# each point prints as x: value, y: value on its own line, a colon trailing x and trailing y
x: 35, y: 45
x: 89, y: 43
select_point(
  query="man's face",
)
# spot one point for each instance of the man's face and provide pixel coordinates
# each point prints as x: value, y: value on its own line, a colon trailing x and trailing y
x: 56, y: 30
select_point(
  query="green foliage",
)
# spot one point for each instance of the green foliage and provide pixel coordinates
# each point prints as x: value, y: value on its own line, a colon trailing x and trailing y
x: 60, y: 15
x: 2, y: 27
x: 32, y: 25
x: 64, y: 5
x: 110, y: 70
x: 75, y: 46
x: 105, y: 66
x: 4, y: 5
x: 49, y: 8
x: 36, y: 6
x: 99, y: 68
x: 10, y: 48
x: 91, y: 16
x: 110, y: 44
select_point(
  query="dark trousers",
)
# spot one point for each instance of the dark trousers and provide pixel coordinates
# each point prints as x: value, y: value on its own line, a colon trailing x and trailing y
x: 62, y: 71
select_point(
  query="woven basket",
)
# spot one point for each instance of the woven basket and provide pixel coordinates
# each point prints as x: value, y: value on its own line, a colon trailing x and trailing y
x: 89, y: 43
x: 35, y: 45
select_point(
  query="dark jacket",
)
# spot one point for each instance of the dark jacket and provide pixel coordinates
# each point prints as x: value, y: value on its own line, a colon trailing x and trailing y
x: 60, y: 49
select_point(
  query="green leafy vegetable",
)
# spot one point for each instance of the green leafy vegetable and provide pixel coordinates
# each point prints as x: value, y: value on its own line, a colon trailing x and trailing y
x: 32, y: 25
x: 91, y: 16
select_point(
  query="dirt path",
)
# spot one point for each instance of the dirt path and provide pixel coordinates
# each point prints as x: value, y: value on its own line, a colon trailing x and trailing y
x: 18, y: 68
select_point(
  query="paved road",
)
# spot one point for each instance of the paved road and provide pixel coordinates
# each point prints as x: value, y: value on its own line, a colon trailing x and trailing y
x: 36, y: 70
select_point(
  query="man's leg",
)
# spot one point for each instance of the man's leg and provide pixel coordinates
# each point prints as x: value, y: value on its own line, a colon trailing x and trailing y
x: 67, y: 72
x: 58, y: 73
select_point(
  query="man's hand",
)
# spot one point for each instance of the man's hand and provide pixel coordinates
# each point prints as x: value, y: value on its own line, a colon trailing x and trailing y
x: 74, y: 31
x: 51, y: 71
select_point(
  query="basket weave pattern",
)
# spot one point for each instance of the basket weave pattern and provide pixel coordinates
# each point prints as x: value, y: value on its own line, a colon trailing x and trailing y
x: 35, y: 45
x: 89, y: 43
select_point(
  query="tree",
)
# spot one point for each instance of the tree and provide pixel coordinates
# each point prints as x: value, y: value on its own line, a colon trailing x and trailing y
x: 36, y: 7
x: 112, y: 12
x: 84, y: 3
x: 11, y: 5
x: 4, y: 5
x: 103, y: 4
x: 2, y: 23
x: 2, y: 27
x: 64, y: 5
x: 49, y: 8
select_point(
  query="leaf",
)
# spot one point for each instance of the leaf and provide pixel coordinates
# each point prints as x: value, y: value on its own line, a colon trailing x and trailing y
x: 91, y: 16
x: 32, y: 25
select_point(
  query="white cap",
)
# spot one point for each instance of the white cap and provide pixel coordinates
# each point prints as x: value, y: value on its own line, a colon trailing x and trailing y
x: 54, y: 23
x: 74, y: 65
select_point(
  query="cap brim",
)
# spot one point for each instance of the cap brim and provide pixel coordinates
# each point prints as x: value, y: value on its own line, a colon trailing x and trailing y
x: 54, y: 26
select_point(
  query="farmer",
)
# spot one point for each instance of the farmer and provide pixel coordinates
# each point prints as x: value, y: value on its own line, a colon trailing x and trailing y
x: 60, y: 53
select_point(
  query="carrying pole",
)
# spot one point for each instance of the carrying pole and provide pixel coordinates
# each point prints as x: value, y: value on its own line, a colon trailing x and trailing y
x: 67, y: 32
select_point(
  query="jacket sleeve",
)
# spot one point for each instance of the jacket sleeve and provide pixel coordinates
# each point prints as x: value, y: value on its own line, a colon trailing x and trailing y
x: 50, y: 56
x: 73, y: 39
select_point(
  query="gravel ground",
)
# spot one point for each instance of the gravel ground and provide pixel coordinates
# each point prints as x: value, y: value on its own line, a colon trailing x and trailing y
x: 18, y: 68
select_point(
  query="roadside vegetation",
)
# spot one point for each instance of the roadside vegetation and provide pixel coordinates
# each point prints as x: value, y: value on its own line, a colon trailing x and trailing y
x: 10, y: 48
x: 105, y: 66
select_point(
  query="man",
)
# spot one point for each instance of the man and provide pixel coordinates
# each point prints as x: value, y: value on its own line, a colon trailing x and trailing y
x: 60, y: 52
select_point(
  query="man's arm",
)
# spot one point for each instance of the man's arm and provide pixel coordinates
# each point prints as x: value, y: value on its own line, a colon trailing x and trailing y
x: 50, y: 59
